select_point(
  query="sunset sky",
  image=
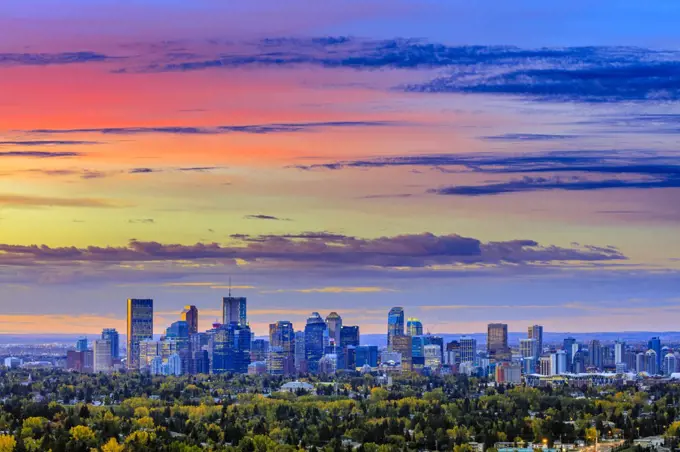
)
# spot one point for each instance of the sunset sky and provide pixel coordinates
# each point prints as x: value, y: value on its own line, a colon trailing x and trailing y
x: 472, y: 162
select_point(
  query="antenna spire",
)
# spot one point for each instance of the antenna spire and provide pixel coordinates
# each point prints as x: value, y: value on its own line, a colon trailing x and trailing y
x: 230, y: 287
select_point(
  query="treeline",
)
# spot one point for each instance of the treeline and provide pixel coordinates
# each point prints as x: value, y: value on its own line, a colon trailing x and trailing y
x: 59, y: 411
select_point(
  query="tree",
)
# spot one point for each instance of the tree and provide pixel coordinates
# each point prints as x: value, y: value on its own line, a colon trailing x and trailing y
x: 591, y: 434
x: 7, y: 443
x: 112, y: 446
x: 379, y: 394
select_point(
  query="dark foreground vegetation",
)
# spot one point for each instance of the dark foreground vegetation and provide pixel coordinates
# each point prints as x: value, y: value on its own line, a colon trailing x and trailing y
x: 59, y: 411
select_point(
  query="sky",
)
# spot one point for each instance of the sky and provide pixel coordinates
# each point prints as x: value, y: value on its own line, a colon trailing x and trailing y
x: 473, y: 162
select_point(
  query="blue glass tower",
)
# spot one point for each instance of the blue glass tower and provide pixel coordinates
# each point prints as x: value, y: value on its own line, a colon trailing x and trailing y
x: 315, y: 330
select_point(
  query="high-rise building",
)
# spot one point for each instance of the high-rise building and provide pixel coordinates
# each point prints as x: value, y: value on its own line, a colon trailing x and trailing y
x: 81, y: 344
x: 509, y: 373
x: 234, y: 310
x: 497, y: 341
x: 148, y: 350
x: 334, y: 325
x: 640, y: 362
x: 190, y: 315
x: 367, y: 354
x: 101, y: 351
x: 111, y: 335
x: 650, y: 362
x: 395, y: 324
x: 655, y: 344
x: 558, y: 363
x: 280, y: 362
x: 229, y: 349
x: 545, y: 365
x: 568, y: 346
x: 300, y: 359
x: 259, y: 348
x: 282, y: 334
x: 418, y: 351
x: 349, y: 337
x: 429, y: 339
x: 536, y: 332
x: 139, y: 328
x: 468, y: 350
x: 452, y: 356
x: 528, y: 348
x: 595, y: 354
x: 669, y: 364
x: 433, y: 356
x: 414, y: 327
x: 175, y: 365
x: 619, y: 350
x: 315, y: 331
x: 404, y: 345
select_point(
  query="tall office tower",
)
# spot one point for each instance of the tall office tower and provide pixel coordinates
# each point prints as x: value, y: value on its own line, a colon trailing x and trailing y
x: 258, y: 350
x: 650, y: 362
x: 655, y: 344
x: 545, y: 365
x: 229, y: 349
x: 578, y: 362
x: 528, y: 348
x: 640, y: 362
x: 619, y: 350
x: 315, y: 330
x: 334, y: 325
x: 435, y: 340
x: 536, y: 332
x: 81, y: 344
x: 497, y: 341
x: 395, y: 324
x: 111, y: 335
x: 148, y: 350
x: 190, y: 315
x: 414, y: 327
x: 349, y: 337
x: 282, y: 334
x: 101, y: 350
x: 139, y: 328
x: 452, y: 357
x: 468, y: 350
x: 367, y: 354
x: 433, y: 356
x: 300, y: 360
x: 404, y: 345
x: 595, y: 354
x: 558, y: 363
x: 669, y: 364
x: 568, y: 346
x: 234, y: 310
x: 199, y: 363
x: 418, y: 351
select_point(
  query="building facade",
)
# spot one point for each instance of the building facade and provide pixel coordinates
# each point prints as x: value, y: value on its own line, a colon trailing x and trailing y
x: 139, y: 328
x: 234, y: 311
x: 190, y: 316
x: 395, y: 324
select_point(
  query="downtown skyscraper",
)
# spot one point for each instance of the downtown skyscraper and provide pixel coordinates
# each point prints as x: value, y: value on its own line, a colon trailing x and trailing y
x: 111, y: 335
x: 234, y: 310
x: 395, y: 324
x: 497, y: 341
x: 139, y: 328
x: 190, y: 315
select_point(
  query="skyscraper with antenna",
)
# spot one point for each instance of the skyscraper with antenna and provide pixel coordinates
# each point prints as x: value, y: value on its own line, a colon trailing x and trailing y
x: 234, y: 309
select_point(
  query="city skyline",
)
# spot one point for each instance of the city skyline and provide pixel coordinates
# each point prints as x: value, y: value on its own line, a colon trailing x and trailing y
x: 472, y: 163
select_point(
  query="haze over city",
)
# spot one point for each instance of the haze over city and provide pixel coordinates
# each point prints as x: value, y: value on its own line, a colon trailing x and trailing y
x: 472, y: 163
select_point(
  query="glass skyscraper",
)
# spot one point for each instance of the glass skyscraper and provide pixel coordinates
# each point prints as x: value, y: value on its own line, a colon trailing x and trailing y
x: 190, y: 315
x: 282, y: 334
x: 230, y: 349
x: 315, y: 330
x: 139, y: 328
x: 111, y: 335
x: 395, y: 324
x: 414, y: 327
x: 334, y: 325
x: 234, y: 310
x: 655, y: 344
x: 497, y: 341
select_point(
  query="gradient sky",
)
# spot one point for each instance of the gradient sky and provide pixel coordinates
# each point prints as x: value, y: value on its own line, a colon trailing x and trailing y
x: 472, y: 162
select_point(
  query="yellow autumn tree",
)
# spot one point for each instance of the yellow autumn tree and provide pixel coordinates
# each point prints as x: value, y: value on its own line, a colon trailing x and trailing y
x: 112, y: 446
x: 7, y: 443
